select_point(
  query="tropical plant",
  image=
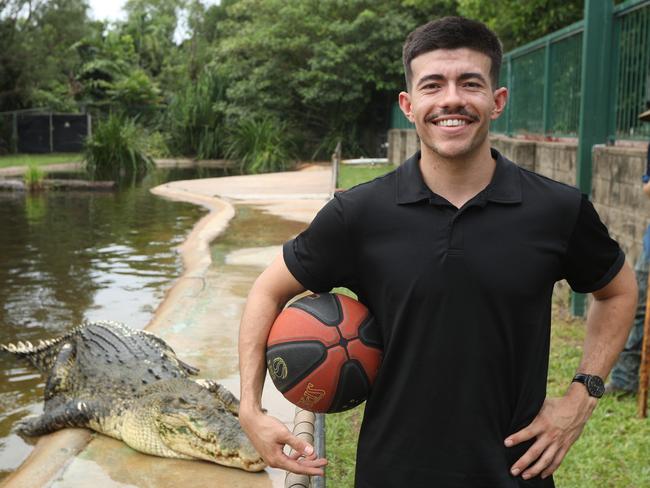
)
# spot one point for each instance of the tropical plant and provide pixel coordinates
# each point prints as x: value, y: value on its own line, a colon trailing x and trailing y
x: 194, y: 118
x: 260, y: 145
x: 117, y: 150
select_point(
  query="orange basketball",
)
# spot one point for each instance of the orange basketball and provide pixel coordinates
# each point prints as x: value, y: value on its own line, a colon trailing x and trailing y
x: 323, y: 352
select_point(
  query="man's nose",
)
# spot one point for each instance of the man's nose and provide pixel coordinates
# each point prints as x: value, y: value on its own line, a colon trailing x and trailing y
x: 452, y: 97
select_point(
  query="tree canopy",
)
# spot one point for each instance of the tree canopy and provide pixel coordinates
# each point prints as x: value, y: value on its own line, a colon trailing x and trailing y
x: 327, y: 69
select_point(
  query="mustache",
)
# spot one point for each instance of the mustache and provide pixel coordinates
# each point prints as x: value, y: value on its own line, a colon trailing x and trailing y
x: 460, y: 111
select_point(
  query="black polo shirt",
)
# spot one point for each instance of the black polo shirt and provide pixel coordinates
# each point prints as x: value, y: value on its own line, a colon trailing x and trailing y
x: 463, y: 300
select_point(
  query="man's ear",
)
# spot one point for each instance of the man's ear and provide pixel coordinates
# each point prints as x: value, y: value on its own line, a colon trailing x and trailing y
x: 500, y: 100
x: 405, y: 105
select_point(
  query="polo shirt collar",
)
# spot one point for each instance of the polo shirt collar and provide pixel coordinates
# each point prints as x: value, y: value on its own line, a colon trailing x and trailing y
x: 505, y: 186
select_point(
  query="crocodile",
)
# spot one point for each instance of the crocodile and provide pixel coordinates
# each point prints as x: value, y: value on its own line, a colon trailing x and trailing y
x: 129, y: 384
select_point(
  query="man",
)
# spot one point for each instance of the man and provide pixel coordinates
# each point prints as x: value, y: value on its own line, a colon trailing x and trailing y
x: 456, y: 254
x: 625, y: 374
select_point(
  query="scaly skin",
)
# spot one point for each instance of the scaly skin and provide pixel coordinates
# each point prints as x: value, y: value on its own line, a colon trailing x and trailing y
x: 129, y: 384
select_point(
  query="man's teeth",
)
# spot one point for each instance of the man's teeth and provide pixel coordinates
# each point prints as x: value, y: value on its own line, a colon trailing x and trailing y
x: 451, y: 122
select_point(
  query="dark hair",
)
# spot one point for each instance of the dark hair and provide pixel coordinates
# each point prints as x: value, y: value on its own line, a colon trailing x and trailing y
x: 453, y: 33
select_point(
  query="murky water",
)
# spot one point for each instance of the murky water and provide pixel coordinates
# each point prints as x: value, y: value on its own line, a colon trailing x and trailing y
x: 66, y: 257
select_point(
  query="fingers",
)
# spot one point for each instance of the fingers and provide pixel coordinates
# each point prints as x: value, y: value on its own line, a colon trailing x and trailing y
x: 525, y: 434
x: 542, y: 462
x: 302, y: 466
x: 270, y: 436
x: 557, y: 460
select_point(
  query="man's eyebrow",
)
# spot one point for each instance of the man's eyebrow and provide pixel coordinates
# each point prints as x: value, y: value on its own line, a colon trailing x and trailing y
x: 462, y: 77
x: 431, y: 77
x: 467, y: 76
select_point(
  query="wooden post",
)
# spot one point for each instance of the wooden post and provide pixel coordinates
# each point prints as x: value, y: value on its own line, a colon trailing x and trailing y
x: 644, y: 373
x: 336, y: 160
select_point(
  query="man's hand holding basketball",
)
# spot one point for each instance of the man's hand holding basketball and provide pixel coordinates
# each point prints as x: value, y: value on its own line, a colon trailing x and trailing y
x: 557, y: 426
x: 270, y: 436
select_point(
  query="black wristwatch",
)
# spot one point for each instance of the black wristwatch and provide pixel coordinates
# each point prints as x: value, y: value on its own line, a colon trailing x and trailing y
x: 594, y: 384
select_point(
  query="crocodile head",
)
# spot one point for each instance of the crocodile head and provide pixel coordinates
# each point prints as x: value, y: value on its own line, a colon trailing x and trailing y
x: 190, y: 421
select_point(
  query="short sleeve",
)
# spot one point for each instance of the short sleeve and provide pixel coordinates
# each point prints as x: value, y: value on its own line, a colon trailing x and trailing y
x: 320, y: 258
x: 593, y: 258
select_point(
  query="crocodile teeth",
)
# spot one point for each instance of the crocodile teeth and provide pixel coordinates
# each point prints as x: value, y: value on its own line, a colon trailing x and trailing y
x: 29, y: 345
x: 11, y: 347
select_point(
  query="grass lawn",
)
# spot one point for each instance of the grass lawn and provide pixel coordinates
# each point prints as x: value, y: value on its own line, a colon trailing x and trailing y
x: 39, y: 159
x: 353, y: 174
x: 613, y: 450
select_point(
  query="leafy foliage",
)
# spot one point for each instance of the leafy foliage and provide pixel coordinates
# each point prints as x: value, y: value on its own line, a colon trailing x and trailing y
x: 117, y: 150
x: 329, y: 69
x: 525, y: 21
x: 260, y: 145
x: 340, y: 57
x: 194, y: 118
x: 34, y: 177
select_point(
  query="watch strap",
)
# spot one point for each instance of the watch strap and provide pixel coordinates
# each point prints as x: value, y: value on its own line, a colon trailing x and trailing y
x: 594, y: 384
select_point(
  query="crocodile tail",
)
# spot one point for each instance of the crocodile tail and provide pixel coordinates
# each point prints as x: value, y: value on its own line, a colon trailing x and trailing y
x: 42, y: 356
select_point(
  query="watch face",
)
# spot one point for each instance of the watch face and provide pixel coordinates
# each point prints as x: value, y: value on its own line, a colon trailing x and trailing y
x: 595, y: 386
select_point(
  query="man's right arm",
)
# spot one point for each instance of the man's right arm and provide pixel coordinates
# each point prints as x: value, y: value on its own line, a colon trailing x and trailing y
x: 270, y: 292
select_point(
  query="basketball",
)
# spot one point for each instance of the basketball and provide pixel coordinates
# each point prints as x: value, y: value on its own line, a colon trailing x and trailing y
x: 323, y: 352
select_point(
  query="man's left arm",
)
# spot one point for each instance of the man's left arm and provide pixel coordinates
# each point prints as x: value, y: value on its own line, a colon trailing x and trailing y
x: 561, y: 420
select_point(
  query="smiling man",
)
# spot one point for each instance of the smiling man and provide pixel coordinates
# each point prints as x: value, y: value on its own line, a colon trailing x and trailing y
x: 456, y: 254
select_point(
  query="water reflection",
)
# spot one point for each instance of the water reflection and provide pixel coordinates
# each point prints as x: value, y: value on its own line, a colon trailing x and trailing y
x: 70, y: 256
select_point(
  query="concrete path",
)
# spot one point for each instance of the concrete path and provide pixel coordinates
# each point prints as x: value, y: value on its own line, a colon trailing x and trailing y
x: 199, y: 318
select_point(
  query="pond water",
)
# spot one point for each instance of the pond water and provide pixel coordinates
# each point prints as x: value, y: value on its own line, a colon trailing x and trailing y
x: 66, y: 257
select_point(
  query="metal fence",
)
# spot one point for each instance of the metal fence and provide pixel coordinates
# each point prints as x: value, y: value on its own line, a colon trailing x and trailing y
x: 40, y: 131
x: 544, y: 79
x: 632, y: 37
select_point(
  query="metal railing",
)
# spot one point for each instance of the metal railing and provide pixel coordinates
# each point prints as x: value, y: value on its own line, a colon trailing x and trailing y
x: 545, y: 82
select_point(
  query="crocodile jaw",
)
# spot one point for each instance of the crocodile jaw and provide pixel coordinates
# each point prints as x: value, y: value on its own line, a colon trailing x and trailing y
x: 185, y: 436
x: 197, y: 438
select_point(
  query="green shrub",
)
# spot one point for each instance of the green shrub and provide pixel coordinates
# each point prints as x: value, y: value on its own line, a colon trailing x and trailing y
x: 117, y: 150
x: 156, y: 145
x: 34, y: 177
x: 194, y: 120
x: 260, y: 146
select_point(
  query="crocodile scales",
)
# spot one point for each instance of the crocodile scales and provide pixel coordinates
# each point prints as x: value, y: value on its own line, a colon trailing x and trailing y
x: 129, y: 384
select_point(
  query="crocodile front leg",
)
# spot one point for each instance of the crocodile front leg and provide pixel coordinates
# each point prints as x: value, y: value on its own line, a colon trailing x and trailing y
x: 70, y: 414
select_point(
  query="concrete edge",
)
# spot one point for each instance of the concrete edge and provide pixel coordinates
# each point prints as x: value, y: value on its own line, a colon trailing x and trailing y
x: 195, y: 250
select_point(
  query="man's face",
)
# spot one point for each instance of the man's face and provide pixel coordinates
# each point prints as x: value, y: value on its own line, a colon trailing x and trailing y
x: 451, y: 101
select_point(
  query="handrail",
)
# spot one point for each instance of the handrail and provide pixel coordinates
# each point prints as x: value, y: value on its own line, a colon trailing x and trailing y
x: 308, y: 427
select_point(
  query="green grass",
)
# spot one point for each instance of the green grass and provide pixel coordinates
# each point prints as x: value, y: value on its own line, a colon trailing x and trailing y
x: 39, y: 159
x: 350, y: 175
x: 613, y: 450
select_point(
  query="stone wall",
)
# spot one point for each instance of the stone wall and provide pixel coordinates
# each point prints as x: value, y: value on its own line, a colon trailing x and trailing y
x: 616, y: 190
x: 617, y: 194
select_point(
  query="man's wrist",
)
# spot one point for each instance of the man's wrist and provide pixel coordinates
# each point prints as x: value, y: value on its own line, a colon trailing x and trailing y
x: 579, y: 394
x: 250, y: 409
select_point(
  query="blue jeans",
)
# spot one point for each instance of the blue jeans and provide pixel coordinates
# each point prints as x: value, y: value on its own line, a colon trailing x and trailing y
x: 625, y: 374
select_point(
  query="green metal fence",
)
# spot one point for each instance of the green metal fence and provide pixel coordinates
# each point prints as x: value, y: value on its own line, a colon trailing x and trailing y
x: 544, y: 79
x: 632, y: 64
x: 398, y: 120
